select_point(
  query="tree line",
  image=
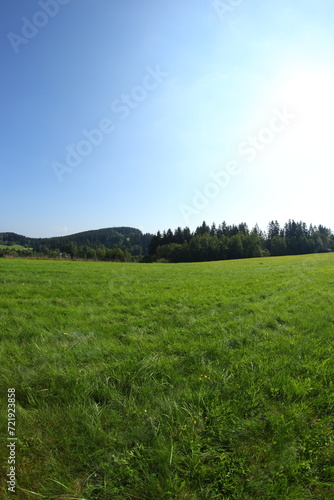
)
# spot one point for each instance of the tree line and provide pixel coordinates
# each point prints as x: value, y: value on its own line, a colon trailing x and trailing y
x: 206, y: 243
x: 222, y: 242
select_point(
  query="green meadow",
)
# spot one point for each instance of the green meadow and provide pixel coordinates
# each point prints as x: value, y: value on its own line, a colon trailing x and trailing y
x: 12, y: 247
x: 194, y: 381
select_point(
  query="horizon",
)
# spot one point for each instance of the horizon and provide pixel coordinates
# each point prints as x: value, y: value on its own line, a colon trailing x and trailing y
x: 166, y: 229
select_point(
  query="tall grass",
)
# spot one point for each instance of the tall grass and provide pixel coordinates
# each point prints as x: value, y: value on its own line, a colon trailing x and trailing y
x: 185, y: 381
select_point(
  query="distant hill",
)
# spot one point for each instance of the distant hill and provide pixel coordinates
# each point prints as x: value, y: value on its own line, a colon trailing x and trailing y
x: 127, y: 239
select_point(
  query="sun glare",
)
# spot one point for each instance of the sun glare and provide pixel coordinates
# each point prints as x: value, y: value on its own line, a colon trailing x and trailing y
x: 310, y: 91
x: 310, y: 96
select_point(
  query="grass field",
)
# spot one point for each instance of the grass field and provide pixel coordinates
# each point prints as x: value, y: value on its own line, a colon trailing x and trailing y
x: 161, y: 381
x: 13, y: 247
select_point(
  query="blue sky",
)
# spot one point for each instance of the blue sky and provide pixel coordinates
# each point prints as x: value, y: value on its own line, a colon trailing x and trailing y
x: 163, y: 114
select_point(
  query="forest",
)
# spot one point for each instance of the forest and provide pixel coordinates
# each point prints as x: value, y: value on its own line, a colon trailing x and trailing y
x: 206, y: 243
x: 118, y: 243
x: 238, y: 241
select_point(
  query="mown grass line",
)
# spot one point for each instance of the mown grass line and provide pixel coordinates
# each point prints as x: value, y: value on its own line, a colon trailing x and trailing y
x: 200, y: 381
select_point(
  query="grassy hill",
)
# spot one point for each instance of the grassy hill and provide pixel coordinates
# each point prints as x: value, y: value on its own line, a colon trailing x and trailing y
x: 186, y: 381
x: 13, y: 247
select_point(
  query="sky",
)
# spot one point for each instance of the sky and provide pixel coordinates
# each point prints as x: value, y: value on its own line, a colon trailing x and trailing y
x: 162, y: 114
